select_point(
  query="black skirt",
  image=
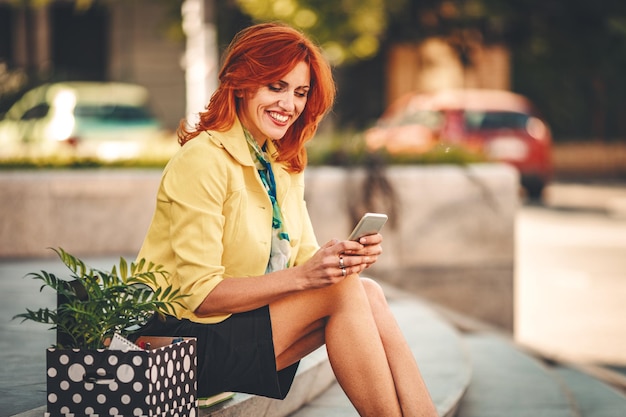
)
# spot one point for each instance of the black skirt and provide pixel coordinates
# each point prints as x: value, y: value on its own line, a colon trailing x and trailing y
x: 236, y: 354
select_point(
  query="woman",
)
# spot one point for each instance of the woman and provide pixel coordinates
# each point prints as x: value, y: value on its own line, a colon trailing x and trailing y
x: 231, y: 227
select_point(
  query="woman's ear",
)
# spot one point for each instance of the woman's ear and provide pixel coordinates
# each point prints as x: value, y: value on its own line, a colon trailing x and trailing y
x: 239, y: 93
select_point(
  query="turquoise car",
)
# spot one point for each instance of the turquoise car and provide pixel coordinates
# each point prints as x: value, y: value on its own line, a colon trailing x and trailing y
x: 99, y: 120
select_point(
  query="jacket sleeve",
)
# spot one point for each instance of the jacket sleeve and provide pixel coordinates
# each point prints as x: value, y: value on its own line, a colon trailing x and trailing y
x: 196, y: 222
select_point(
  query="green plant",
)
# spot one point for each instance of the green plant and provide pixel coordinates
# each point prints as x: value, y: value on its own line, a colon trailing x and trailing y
x: 347, y: 149
x: 60, y: 162
x: 96, y: 304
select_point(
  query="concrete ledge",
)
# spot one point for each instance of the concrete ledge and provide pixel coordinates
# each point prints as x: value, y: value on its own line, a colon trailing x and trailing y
x: 88, y: 213
x: 314, y: 377
x: 438, y: 214
x: 450, y: 233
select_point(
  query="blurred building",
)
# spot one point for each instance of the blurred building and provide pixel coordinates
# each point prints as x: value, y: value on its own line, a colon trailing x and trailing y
x: 112, y: 41
x: 435, y: 64
x: 129, y: 41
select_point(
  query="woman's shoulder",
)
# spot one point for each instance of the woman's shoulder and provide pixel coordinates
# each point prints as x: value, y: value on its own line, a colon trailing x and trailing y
x: 199, y: 165
x: 206, y: 141
x: 201, y: 147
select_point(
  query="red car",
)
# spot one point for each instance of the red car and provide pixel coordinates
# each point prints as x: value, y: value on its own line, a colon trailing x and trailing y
x: 502, y: 125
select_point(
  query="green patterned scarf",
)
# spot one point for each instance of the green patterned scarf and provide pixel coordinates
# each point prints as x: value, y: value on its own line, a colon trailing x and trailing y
x: 281, y: 248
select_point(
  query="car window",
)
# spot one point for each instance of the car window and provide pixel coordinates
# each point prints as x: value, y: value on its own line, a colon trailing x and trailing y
x: 481, y: 120
x: 38, y: 112
x: 431, y: 119
x: 113, y: 113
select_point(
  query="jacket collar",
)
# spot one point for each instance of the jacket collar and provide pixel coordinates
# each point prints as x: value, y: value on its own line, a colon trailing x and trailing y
x: 234, y: 142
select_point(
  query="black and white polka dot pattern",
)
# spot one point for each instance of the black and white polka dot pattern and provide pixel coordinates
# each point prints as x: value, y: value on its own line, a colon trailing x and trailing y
x: 159, y: 382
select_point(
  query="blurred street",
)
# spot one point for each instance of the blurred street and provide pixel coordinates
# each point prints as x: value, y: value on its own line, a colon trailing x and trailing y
x: 571, y: 274
x: 570, y: 290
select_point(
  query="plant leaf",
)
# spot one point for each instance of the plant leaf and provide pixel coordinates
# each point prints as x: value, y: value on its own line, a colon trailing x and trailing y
x: 99, y: 303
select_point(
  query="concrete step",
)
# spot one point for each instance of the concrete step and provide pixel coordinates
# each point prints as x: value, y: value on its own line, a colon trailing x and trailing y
x: 592, y: 397
x: 515, y: 381
x: 314, y: 376
x: 507, y: 381
x: 438, y: 348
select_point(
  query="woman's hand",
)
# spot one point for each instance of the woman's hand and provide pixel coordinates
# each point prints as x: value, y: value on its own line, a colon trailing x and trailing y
x: 372, y: 248
x: 338, y: 259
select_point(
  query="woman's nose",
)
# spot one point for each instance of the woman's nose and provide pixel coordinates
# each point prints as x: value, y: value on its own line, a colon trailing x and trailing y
x: 286, y: 102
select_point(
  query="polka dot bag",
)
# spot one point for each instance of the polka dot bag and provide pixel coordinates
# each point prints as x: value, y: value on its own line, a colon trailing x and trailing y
x: 159, y: 381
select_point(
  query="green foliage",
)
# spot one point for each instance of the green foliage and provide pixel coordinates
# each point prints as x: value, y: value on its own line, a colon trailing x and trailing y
x: 96, y: 304
x: 54, y: 162
x: 349, y: 150
x: 348, y: 30
x: 340, y: 149
x: 442, y: 153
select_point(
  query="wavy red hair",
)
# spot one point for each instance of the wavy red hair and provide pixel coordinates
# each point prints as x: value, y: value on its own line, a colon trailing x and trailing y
x: 260, y: 55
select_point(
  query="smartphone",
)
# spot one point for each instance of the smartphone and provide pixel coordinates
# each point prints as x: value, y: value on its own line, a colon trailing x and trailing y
x: 369, y: 224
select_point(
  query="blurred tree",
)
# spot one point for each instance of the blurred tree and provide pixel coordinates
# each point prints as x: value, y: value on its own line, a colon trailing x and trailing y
x: 569, y: 57
x: 347, y: 30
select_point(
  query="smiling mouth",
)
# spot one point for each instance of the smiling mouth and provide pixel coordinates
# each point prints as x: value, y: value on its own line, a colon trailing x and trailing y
x: 281, y: 118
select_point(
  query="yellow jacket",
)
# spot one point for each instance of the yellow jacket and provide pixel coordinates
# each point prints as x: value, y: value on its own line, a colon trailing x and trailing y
x: 213, y: 217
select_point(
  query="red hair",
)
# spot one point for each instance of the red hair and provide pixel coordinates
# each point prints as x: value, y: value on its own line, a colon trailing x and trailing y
x: 260, y: 55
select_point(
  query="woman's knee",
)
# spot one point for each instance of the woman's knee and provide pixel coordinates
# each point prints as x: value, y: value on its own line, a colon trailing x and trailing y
x: 374, y: 291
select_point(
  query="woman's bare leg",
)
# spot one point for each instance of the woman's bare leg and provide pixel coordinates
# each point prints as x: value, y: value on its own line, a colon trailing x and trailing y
x: 341, y: 316
x: 412, y: 392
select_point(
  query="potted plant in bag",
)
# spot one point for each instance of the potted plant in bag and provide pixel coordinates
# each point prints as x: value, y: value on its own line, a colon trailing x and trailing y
x: 95, y: 306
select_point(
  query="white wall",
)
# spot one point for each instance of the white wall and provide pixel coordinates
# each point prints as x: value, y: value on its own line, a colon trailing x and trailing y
x: 142, y: 53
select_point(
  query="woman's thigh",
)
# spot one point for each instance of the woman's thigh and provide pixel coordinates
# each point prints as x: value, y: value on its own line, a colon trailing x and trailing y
x: 297, y: 316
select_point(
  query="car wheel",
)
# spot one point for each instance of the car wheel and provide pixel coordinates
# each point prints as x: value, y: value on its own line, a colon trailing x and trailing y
x: 534, y: 187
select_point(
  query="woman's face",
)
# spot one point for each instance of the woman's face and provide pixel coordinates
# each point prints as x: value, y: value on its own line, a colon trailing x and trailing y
x: 268, y: 112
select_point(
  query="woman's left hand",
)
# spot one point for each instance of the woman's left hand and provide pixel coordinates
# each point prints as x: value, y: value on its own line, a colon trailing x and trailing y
x: 372, y: 248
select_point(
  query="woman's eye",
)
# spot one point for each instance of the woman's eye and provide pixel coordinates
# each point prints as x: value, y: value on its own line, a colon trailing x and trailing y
x: 275, y: 87
x: 279, y: 88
